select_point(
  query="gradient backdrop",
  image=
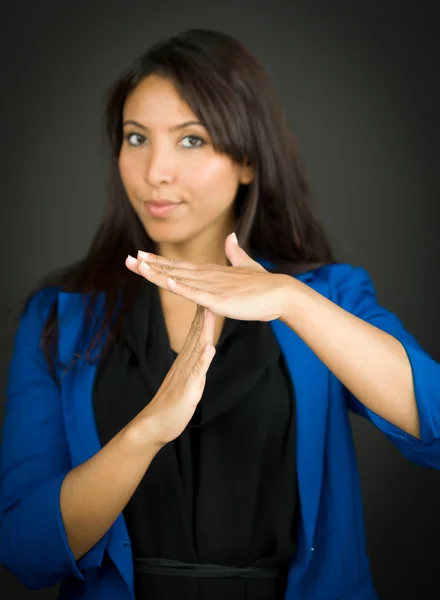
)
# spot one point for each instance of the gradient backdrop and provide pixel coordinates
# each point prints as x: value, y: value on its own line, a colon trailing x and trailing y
x: 360, y: 83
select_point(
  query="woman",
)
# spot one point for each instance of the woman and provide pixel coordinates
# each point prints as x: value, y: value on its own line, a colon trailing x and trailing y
x: 118, y: 480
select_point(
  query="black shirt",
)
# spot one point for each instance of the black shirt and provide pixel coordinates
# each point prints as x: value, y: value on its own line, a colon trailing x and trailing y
x: 224, y: 492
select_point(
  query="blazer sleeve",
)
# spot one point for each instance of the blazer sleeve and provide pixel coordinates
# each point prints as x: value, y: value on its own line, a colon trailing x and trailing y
x: 357, y: 295
x: 34, y: 460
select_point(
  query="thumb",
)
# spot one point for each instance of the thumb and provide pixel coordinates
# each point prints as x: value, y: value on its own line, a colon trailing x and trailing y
x: 236, y: 255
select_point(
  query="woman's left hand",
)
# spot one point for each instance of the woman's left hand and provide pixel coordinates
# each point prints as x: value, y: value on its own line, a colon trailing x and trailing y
x: 244, y: 291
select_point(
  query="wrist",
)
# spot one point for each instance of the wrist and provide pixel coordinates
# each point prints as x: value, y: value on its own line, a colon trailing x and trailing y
x: 140, y: 434
x: 293, y: 296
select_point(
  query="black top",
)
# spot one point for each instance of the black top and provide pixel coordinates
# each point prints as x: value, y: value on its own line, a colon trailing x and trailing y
x: 224, y: 492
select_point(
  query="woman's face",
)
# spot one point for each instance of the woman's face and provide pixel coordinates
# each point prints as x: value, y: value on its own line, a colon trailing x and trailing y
x: 166, y: 155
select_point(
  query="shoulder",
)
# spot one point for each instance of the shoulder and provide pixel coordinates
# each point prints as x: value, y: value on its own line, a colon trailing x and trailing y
x: 338, y: 276
x: 38, y: 304
x: 31, y: 318
x: 71, y: 311
x: 348, y: 286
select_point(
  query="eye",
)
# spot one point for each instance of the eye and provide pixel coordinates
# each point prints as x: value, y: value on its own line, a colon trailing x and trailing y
x: 131, y: 136
x: 195, y: 138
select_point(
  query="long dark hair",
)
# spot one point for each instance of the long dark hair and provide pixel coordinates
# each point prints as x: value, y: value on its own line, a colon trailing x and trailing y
x: 234, y: 98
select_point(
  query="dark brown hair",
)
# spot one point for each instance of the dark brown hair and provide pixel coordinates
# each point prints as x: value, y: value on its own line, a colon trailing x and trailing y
x: 234, y: 98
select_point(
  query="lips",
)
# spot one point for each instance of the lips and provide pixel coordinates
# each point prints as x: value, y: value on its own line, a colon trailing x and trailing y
x: 161, y: 203
x: 161, y: 208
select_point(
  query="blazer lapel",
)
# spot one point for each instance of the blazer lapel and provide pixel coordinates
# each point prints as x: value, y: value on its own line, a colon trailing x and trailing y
x: 311, y: 380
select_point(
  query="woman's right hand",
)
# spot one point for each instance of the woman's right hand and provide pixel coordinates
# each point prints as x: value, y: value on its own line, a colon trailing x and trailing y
x: 171, y: 409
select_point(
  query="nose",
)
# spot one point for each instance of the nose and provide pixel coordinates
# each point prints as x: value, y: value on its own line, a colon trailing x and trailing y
x: 160, y: 166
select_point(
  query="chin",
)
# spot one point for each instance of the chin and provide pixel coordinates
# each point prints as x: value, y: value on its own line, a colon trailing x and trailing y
x: 170, y: 236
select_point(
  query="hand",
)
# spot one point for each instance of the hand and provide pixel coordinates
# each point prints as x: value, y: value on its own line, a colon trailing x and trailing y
x: 244, y: 291
x: 171, y: 409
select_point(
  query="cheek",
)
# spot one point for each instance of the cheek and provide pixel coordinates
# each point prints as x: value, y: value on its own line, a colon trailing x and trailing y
x: 128, y: 176
x: 214, y: 180
x: 127, y: 170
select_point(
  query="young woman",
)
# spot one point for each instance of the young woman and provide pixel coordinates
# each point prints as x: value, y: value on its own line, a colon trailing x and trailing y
x: 177, y: 420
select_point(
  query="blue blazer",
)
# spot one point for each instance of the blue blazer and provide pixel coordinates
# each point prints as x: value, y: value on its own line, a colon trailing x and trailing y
x: 50, y: 430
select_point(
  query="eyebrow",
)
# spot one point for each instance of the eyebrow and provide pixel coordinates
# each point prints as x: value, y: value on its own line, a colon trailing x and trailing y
x: 174, y: 128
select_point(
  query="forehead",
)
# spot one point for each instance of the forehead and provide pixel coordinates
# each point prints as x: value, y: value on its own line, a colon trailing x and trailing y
x: 156, y: 102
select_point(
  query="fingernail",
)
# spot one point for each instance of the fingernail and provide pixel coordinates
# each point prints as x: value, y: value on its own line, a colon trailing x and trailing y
x: 143, y: 255
x: 131, y: 261
x: 234, y: 238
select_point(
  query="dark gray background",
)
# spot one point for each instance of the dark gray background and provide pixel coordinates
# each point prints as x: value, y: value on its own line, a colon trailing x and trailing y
x: 360, y: 83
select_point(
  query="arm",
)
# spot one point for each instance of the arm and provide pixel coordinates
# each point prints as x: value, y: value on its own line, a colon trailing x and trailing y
x: 397, y: 393
x: 93, y: 494
x: 370, y: 362
x: 50, y: 515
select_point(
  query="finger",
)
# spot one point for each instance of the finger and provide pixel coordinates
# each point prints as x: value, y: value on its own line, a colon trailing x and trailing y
x: 205, y: 297
x: 209, y: 327
x: 133, y: 264
x: 237, y: 255
x: 202, y: 343
x: 201, y: 335
x: 154, y: 258
x: 197, y: 375
x: 206, y: 273
x: 198, y: 295
x: 162, y: 278
x: 194, y: 332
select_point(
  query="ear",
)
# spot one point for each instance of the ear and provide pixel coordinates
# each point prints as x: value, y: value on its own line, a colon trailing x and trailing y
x: 247, y: 174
